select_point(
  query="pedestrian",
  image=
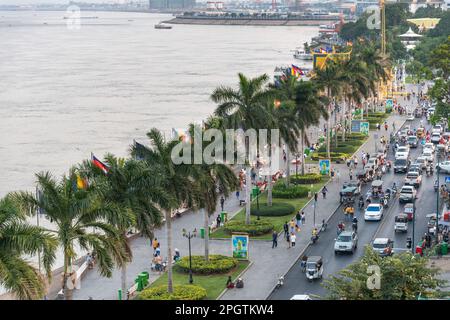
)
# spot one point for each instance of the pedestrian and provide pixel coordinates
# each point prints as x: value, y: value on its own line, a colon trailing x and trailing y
x: 288, y: 239
x: 155, y: 244
x: 364, y: 162
x: 292, y: 225
x: 338, y: 175
x: 332, y: 174
x: 298, y: 217
x: 350, y: 173
x: 158, y: 250
x: 386, y: 126
x: 158, y: 264
x: 355, y: 161
x: 218, y: 221
x: 274, y: 239
x: 324, y: 192
x: 315, y: 196
x: 237, y: 195
x: 222, y: 202
x: 349, y: 161
x: 303, y: 217
x: 293, y: 238
x: 286, y: 229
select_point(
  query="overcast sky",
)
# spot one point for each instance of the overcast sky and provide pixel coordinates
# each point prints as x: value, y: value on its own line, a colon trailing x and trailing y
x: 52, y: 1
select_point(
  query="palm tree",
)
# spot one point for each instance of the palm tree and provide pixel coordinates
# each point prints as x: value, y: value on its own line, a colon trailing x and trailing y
x: 309, y: 109
x: 135, y: 189
x: 244, y: 109
x: 19, y: 239
x: 81, y: 219
x: 329, y: 79
x: 176, y: 181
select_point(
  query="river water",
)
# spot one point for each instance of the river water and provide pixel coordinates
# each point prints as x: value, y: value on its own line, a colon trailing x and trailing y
x: 65, y: 93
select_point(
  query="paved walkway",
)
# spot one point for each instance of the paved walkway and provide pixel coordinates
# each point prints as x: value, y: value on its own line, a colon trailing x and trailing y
x: 268, y: 264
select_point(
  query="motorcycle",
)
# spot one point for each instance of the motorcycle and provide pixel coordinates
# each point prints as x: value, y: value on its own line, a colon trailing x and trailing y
x: 361, y: 204
x: 314, y: 238
x: 324, y: 226
x: 355, y: 226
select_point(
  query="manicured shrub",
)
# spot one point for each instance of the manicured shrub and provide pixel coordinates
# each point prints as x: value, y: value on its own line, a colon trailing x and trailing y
x: 340, y: 149
x: 278, y: 209
x: 356, y: 136
x: 334, y: 156
x: 180, y: 292
x: 292, y: 192
x: 217, y: 264
x: 255, y: 228
x: 308, y: 178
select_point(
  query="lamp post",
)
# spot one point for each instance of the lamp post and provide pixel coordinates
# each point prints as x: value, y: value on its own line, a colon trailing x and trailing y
x: 437, y: 199
x: 189, y: 235
x: 414, y: 226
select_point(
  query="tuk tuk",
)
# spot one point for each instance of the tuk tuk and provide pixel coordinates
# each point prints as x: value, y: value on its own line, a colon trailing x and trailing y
x: 314, y: 268
x: 348, y: 195
x: 431, y: 225
x: 377, y: 188
x: 409, y: 211
x: 363, y: 176
x: 420, y: 133
x: 401, y: 223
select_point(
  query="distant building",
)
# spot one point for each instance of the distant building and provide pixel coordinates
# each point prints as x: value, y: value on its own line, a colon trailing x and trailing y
x: 362, y: 5
x: 171, y: 4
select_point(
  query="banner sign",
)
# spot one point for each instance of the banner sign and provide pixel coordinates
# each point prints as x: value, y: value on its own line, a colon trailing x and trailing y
x: 364, y: 128
x: 239, y: 244
x: 324, y: 166
x: 356, y: 126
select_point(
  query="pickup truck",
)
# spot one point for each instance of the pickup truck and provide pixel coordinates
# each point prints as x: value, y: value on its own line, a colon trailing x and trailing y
x: 413, y: 179
x: 407, y: 194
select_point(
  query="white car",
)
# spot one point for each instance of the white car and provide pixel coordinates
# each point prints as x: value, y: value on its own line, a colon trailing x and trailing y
x: 428, y: 146
x: 374, y: 212
x: 347, y: 241
x: 437, y: 128
x: 402, y: 152
x: 413, y: 179
x: 444, y: 166
x: 435, y: 137
x: 407, y: 194
x: 428, y: 154
x: 301, y: 297
x: 410, y: 116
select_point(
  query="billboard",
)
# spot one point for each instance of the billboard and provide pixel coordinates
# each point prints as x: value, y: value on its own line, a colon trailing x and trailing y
x: 364, y: 128
x: 239, y: 246
x: 356, y: 126
x: 324, y: 166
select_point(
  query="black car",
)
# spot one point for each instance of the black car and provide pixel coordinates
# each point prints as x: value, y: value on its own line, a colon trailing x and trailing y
x: 401, y: 165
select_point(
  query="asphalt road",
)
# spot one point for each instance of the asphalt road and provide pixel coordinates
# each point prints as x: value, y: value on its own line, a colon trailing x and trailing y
x: 295, y: 280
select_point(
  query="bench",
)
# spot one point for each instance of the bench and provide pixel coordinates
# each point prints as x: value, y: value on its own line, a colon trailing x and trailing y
x: 79, y: 274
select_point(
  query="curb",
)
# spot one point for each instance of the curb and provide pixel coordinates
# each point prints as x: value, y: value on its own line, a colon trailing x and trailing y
x: 239, y: 275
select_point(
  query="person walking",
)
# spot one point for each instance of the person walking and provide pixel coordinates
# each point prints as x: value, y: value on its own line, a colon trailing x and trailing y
x: 286, y: 229
x: 222, y: 202
x: 155, y: 244
x: 288, y: 239
x: 298, y: 217
x: 315, y: 196
x: 274, y: 239
x: 338, y: 175
x: 237, y: 195
x: 303, y: 217
x: 158, y: 250
x: 218, y: 221
x: 324, y: 192
x: 293, y: 238
x: 355, y: 161
x: 292, y: 225
x: 350, y: 174
x: 332, y: 173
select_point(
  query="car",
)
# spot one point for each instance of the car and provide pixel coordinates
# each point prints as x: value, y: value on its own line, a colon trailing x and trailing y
x: 422, y: 161
x: 401, y: 165
x: 374, y: 212
x: 444, y: 166
x: 401, y: 223
x: 347, y: 241
x: 412, y: 141
x: 428, y: 154
x: 372, y: 163
x: 407, y: 194
x: 301, y: 297
x: 402, y: 151
x: 435, y: 137
x: 410, y: 116
x: 413, y: 179
x: 383, y: 246
x: 437, y: 128
x: 415, y: 167
x: 428, y: 146
x: 355, y: 186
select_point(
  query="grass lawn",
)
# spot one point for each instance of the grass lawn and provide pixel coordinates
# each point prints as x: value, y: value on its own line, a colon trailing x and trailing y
x: 214, y: 284
x: 277, y: 221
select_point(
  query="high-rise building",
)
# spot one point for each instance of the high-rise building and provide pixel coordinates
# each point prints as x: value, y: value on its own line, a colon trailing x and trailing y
x: 171, y: 4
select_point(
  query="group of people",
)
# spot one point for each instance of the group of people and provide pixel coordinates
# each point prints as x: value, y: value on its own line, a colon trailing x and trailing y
x: 290, y: 228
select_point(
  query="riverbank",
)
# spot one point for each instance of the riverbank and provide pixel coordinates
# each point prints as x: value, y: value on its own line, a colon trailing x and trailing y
x: 248, y: 22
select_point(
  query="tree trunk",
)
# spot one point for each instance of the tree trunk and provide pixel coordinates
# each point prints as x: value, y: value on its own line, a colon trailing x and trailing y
x: 169, y: 251
x: 302, y: 139
x: 328, y: 125
x: 68, y: 293
x: 206, y: 226
x: 344, y: 107
x: 123, y: 278
x: 248, y: 190
x: 269, y: 185
x: 288, y: 167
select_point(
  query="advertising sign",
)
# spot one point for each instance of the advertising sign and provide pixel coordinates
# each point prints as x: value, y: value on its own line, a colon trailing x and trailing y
x: 364, y: 128
x: 356, y: 126
x: 324, y: 166
x: 239, y: 246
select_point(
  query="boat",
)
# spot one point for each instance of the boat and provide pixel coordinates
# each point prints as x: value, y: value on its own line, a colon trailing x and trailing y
x: 162, y: 26
x: 302, y: 55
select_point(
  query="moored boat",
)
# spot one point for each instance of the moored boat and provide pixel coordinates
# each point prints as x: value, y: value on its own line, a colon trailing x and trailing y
x: 162, y: 26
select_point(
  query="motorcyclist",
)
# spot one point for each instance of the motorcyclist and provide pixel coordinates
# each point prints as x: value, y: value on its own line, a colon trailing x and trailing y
x: 361, y: 202
x: 355, y: 224
x: 341, y: 227
x: 436, y: 185
x: 394, y: 188
x: 315, y: 234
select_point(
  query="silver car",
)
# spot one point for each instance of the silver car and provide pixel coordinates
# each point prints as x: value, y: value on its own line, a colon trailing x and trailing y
x: 347, y: 241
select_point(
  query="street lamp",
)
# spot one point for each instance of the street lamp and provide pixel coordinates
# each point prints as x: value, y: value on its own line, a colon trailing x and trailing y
x: 438, y: 169
x: 190, y: 235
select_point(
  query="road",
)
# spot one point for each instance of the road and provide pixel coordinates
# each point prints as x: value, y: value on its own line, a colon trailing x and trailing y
x: 296, y: 282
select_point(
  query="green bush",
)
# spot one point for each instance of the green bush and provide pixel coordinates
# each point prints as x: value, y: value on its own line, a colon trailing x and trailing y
x: 255, y: 228
x: 334, y: 156
x: 278, y: 209
x: 308, y: 178
x: 356, y: 136
x: 293, y: 191
x: 340, y: 149
x: 180, y: 292
x: 217, y: 264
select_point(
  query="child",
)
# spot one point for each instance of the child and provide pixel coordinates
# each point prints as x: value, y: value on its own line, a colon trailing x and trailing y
x: 293, y: 238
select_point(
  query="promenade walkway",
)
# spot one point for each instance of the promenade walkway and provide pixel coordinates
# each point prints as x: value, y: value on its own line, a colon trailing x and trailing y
x: 268, y: 264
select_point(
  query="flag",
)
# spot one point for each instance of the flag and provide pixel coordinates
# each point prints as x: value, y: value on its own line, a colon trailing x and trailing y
x: 298, y: 71
x: 99, y: 164
x: 81, y: 183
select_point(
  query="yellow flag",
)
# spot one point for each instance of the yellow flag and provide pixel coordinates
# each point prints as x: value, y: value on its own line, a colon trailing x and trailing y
x: 80, y: 182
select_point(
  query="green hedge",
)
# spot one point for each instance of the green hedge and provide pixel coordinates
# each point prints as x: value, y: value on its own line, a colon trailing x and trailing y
x: 180, y: 292
x: 308, y: 178
x: 348, y: 142
x: 217, y: 264
x: 255, y: 228
x: 278, y: 209
x: 293, y: 191
x: 356, y: 136
x: 334, y: 156
x: 340, y: 149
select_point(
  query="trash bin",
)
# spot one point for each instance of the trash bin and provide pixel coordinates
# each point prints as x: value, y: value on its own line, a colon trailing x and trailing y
x: 145, y: 277
x: 202, y: 233
x: 444, y: 248
x: 222, y: 216
x: 140, y: 285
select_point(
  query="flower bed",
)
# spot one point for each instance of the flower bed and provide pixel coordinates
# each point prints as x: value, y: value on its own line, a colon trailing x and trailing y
x: 308, y: 178
x: 180, y: 292
x: 255, y: 228
x: 334, y: 156
x: 217, y: 264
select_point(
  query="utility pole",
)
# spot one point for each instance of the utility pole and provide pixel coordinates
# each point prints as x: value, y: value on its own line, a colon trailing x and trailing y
x: 383, y: 27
